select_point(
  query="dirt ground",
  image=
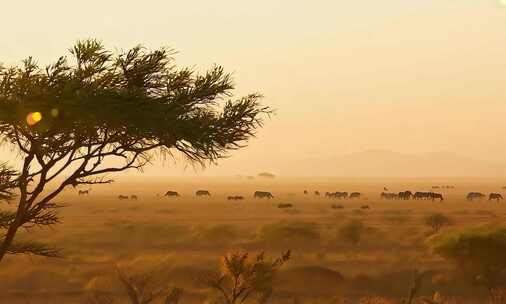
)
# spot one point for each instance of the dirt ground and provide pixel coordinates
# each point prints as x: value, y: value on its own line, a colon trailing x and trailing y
x: 177, y: 239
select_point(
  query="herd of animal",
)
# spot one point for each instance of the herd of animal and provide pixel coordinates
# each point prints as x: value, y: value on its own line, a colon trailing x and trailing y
x: 407, y: 195
x: 471, y: 196
x: 404, y: 195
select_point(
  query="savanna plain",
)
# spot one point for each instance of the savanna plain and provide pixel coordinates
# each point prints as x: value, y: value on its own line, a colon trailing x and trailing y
x: 366, y: 250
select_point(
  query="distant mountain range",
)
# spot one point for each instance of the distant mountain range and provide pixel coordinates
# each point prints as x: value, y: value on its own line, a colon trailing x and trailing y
x: 382, y: 163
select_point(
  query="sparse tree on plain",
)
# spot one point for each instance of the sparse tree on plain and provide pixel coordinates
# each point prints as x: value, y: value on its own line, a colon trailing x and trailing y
x: 98, y: 112
x: 437, y: 221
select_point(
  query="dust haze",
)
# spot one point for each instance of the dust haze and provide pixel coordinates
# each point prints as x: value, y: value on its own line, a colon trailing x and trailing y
x: 347, y: 152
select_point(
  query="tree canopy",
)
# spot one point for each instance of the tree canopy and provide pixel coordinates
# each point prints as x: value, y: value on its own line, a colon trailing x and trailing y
x: 94, y: 104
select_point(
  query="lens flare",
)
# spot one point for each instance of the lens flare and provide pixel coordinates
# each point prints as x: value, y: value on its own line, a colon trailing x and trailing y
x: 33, y: 118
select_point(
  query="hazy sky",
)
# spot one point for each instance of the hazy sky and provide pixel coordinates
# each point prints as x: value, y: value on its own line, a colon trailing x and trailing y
x: 413, y: 76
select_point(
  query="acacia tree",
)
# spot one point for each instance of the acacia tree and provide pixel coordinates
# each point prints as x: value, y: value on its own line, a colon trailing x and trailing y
x: 98, y: 112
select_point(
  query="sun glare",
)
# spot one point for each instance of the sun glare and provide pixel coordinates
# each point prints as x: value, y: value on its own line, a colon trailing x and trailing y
x: 33, y: 118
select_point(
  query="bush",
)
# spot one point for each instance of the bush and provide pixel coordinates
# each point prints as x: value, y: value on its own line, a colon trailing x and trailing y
x: 478, y: 252
x: 290, y: 234
x: 243, y: 276
x: 436, y: 221
x: 352, y: 232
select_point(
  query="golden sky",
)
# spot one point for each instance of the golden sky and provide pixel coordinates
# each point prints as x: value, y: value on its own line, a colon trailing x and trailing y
x: 415, y: 77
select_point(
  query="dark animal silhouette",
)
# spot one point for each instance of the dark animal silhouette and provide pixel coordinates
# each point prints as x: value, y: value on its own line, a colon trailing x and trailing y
x: 405, y: 195
x: 354, y: 195
x: 201, y: 193
x: 134, y: 197
x: 305, y: 192
x: 122, y: 197
x: 471, y: 196
x: 495, y: 196
x: 388, y: 196
x: 435, y: 196
x: 235, y: 198
x: 83, y: 192
x: 317, y: 193
x: 421, y: 195
x: 283, y: 206
x: 172, y: 194
x: 263, y: 194
x: 338, y: 195
x: 365, y: 207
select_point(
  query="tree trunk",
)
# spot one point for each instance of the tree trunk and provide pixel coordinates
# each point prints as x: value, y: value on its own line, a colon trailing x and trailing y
x: 13, y: 228
x: 9, y: 237
x: 20, y: 212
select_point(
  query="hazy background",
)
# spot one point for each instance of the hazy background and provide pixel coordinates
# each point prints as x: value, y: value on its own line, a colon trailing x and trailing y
x: 361, y: 88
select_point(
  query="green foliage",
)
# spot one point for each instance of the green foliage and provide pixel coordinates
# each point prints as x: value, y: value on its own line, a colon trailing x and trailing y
x: 137, y: 96
x: 7, y: 183
x: 478, y: 252
x: 98, y: 112
x: 352, y: 232
x: 436, y: 221
x: 290, y: 234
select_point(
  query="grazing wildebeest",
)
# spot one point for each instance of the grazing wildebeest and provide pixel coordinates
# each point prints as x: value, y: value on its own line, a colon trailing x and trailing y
x: 405, y: 195
x: 337, y: 194
x: 263, y: 194
x: 84, y: 192
x: 389, y: 196
x: 337, y: 206
x: 365, y: 207
x: 134, y: 197
x: 435, y: 196
x: 171, y: 194
x: 471, y: 196
x: 495, y: 196
x: 122, y: 197
x: 282, y: 206
x: 355, y: 195
x: 201, y: 193
x: 235, y: 198
x: 317, y: 193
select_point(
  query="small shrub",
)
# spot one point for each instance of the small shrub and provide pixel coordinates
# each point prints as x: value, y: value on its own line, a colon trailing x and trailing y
x: 352, y: 232
x: 436, y: 221
x: 242, y: 277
